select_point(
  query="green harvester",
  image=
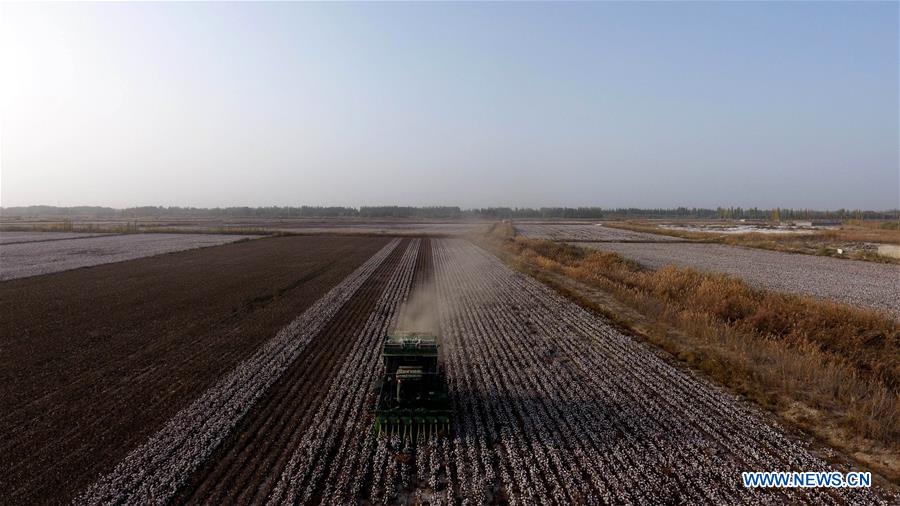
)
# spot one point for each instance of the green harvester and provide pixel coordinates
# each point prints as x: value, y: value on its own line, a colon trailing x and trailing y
x: 413, y: 401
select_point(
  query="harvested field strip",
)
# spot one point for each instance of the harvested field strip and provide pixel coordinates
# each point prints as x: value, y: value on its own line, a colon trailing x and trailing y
x: 854, y: 282
x: 94, y: 361
x: 156, y: 469
x: 346, y: 467
x: 359, y: 453
x: 305, y: 432
x: 345, y: 434
x: 248, y: 463
x: 44, y: 257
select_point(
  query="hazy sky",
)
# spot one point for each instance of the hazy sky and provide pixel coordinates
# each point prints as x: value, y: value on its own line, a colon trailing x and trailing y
x: 606, y: 104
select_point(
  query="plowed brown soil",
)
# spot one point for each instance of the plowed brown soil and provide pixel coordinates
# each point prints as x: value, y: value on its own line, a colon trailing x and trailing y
x: 93, y: 361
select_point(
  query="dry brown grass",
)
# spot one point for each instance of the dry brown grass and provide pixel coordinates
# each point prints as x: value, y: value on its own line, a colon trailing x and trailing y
x: 778, y: 349
x: 866, y: 231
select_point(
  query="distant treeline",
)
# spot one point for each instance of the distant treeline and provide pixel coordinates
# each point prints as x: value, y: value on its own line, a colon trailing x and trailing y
x: 443, y: 212
x: 737, y: 213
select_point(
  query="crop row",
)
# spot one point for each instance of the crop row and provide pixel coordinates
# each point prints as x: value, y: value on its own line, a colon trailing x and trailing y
x: 555, y: 405
x: 155, y: 470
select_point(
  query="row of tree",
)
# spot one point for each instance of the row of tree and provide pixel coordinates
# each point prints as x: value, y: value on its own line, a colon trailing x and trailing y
x: 446, y: 212
x: 789, y: 214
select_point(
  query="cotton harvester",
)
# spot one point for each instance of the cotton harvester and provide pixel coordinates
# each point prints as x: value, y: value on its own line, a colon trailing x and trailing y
x: 413, y: 400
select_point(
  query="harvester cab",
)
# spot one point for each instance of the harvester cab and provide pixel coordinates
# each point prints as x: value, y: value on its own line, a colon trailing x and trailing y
x: 413, y: 400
